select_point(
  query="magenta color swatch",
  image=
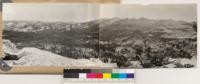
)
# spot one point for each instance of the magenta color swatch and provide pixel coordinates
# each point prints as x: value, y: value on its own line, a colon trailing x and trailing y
x: 91, y: 75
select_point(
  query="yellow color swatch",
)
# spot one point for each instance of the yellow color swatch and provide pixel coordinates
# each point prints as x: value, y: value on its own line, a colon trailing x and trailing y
x: 106, y: 75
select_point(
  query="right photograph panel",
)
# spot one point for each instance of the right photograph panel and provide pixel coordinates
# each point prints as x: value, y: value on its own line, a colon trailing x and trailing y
x: 149, y: 36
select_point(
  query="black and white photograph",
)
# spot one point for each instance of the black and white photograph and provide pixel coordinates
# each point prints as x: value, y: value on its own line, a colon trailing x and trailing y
x: 149, y: 36
x: 103, y: 35
x: 51, y: 34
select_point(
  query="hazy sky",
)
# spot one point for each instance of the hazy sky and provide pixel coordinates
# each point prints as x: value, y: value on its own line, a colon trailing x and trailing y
x: 85, y: 12
x: 187, y: 12
x: 50, y: 12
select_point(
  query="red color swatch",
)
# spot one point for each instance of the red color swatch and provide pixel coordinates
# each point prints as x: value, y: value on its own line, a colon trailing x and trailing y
x: 98, y: 75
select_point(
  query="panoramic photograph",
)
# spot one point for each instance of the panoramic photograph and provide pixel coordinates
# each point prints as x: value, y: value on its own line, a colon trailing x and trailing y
x: 51, y: 34
x: 149, y: 36
x: 118, y: 36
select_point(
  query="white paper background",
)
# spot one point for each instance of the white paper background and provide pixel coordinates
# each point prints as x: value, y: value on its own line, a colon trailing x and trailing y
x: 143, y: 76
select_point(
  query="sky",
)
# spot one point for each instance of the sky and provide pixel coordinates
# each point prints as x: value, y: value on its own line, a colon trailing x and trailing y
x: 186, y: 12
x: 59, y: 12
x: 64, y: 12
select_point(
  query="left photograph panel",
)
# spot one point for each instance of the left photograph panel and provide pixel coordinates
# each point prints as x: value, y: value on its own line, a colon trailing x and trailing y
x: 53, y: 34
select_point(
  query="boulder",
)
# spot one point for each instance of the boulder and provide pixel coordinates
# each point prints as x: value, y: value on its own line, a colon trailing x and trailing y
x: 9, y: 50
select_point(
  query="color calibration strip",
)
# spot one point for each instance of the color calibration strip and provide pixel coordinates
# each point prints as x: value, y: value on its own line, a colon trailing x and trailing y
x: 99, y: 73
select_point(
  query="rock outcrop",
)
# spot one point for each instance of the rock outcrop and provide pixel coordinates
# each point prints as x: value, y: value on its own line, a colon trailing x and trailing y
x: 30, y: 56
x: 9, y: 50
